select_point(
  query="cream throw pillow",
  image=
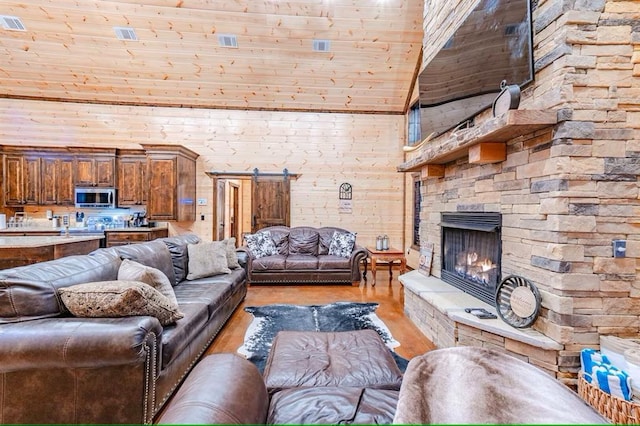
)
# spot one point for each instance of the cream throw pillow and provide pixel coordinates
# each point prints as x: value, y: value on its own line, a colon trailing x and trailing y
x: 110, y: 299
x: 232, y: 256
x: 131, y: 270
x: 207, y: 259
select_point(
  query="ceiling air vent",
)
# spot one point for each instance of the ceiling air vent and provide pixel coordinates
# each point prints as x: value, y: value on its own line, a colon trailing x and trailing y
x: 228, y: 40
x: 125, y: 33
x: 12, y: 23
x: 321, y: 45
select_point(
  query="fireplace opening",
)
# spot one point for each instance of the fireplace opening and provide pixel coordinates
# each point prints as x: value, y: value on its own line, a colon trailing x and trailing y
x: 471, y: 253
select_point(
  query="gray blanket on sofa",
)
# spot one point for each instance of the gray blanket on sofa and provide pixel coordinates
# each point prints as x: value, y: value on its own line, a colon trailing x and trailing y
x: 477, y: 385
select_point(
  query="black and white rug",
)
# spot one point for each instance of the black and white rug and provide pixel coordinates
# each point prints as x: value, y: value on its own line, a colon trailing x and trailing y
x: 340, y: 316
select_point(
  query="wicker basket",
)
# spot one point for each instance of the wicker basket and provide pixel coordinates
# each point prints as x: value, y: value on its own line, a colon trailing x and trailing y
x: 615, y: 409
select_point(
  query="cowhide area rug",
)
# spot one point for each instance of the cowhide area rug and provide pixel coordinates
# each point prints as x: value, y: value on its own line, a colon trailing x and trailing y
x: 340, y: 316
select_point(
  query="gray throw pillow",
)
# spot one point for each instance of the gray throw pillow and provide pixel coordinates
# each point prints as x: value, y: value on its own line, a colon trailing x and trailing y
x: 232, y: 256
x: 207, y: 259
x: 110, y: 299
x: 134, y: 271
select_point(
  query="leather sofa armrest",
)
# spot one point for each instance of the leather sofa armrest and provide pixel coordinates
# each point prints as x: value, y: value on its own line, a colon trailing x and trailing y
x: 245, y: 260
x: 243, y: 256
x: 222, y: 388
x: 69, y: 342
x: 358, y: 254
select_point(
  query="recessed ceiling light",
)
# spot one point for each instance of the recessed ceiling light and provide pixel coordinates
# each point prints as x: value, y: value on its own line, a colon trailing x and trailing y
x: 12, y: 23
x: 228, y: 40
x: 321, y: 45
x: 125, y: 33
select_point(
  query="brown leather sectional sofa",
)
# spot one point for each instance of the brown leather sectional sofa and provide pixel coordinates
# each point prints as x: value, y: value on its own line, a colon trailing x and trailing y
x: 56, y: 368
x: 303, y: 258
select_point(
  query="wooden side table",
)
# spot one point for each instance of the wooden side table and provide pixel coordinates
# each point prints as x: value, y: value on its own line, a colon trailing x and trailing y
x: 385, y: 256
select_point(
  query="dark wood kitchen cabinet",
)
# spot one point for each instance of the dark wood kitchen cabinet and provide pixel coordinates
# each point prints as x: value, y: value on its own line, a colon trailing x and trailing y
x: 95, y: 167
x: 172, y: 182
x: 21, y: 179
x: 132, y: 182
x: 57, y: 180
x: 123, y: 237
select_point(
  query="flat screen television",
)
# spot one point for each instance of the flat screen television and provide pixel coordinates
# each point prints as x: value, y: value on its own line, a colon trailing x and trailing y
x: 493, y: 43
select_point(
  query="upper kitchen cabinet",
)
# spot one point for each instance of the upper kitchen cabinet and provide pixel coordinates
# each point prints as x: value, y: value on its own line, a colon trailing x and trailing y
x: 57, y: 180
x: 21, y: 178
x: 132, y: 181
x: 95, y: 167
x: 172, y: 182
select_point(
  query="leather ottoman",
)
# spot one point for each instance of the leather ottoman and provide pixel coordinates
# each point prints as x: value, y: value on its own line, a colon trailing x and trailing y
x: 331, y: 377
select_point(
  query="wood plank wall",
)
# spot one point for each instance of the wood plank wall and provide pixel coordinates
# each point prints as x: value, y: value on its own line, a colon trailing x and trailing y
x: 327, y: 149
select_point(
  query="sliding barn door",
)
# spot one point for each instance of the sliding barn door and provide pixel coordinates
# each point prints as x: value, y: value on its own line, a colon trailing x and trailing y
x: 270, y: 201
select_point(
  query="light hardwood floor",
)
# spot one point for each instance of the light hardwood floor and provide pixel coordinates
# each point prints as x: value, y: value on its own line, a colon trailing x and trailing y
x: 388, y: 293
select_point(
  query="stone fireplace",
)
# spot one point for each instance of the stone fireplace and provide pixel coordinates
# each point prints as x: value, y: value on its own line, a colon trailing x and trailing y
x: 562, y: 171
x: 471, y: 252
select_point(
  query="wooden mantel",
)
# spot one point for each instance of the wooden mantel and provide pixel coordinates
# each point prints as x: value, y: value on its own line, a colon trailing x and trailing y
x: 508, y: 126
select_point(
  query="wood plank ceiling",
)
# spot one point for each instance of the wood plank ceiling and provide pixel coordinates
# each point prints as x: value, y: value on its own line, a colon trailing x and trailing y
x: 69, y: 51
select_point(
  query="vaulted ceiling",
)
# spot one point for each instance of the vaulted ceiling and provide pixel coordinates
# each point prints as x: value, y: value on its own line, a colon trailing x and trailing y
x: 68, y: 50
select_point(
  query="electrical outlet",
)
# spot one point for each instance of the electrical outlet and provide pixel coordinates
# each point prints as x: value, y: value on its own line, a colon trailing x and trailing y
x: 201, y: 217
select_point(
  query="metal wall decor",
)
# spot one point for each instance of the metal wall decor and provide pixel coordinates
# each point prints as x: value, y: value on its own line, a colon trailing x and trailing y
x: 345, y: 195
x: 518, y: 301
x: 346, y: 191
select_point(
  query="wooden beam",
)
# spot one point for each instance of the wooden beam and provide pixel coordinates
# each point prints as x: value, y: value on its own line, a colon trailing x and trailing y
x: 487, y: 153
x: 432, y: 171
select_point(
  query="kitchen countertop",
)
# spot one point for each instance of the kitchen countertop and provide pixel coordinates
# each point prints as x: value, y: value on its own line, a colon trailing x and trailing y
x: 21, y: 230
x: 35, y: 241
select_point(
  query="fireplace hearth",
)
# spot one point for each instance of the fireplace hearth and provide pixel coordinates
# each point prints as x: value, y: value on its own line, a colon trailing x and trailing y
x: 471, y: 252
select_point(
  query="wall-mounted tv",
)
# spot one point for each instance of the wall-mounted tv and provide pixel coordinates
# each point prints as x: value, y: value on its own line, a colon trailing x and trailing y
x: 494, y: 43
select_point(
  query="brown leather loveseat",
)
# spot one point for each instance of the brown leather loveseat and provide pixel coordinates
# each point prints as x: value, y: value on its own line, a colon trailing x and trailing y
x: 57, y: 368
x: 302, y: 255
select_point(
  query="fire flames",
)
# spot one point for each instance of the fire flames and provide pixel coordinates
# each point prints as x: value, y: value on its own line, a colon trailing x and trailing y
x: 470, y: 265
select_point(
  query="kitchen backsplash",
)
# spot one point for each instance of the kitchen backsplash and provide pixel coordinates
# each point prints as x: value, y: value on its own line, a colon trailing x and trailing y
x: 78, y: 218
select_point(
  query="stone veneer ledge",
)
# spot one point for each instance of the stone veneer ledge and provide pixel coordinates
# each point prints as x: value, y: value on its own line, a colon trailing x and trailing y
x: 452, y: 302
x: 437, y: 309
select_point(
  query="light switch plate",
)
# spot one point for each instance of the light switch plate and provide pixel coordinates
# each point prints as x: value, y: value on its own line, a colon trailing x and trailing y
x: 619, y: 248
x: 202, y: 201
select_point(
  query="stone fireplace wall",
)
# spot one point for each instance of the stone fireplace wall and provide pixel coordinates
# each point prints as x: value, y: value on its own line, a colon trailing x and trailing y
x: 567, y: 191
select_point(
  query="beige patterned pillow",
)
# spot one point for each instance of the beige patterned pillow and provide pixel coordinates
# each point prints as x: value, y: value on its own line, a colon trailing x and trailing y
x: 109, y: 299
x: 131, y: 270
x: 207, y: 259
x: 232, y: 256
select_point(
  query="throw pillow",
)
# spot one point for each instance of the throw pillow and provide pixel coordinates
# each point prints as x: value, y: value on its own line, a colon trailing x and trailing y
x: 261, y: 244
x: 207, y: 259
x: 342, y: 244
x: 105, y: 299
x: 232, y: 256
x: 133, y: 271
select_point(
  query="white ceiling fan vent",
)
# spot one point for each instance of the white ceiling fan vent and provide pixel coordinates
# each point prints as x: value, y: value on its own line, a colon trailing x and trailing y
x: 125, y: 33
x: 228, y: 40
x: 321, y: 45
x: 12, y: 23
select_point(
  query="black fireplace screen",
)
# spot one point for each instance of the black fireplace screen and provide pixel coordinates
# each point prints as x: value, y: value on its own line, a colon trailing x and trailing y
x: 471, y: 253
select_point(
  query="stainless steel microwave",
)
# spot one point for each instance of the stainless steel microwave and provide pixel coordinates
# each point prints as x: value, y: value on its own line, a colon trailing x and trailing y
x: 95, y: 197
